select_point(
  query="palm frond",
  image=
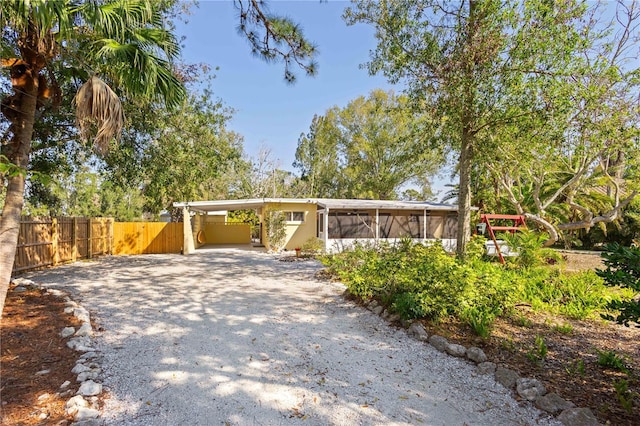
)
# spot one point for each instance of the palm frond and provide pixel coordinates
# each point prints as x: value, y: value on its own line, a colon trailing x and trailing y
x: 98, y: 105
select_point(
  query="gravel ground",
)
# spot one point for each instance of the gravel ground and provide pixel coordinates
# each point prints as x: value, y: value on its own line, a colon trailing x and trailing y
x: 234, y: 337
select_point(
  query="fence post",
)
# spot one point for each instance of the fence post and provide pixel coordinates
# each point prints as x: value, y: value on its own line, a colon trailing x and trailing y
x: 74, y: 240
x: 110, y: 234
x: 89, y: 238
x: 55, y: 254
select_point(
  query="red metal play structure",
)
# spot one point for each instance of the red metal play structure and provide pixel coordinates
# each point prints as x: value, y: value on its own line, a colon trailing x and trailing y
x: 518, y: 224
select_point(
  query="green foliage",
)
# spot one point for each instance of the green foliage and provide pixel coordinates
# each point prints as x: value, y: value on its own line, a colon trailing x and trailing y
x: 563, y: 328
x: 479, y: 320
x: 312, y: 246
x: 523, y: 321
x: 577, y: 296
x: 623, y: 270
x: 274, y: 222
x: 426, y: 282
x: 538, y: 353
x: 610, y: 359
x: 529, y: 246
x: 243, y: 216
x: 576, y: 367
x: 476, y: 249
x: 624, y: 395
x: 369, y: 149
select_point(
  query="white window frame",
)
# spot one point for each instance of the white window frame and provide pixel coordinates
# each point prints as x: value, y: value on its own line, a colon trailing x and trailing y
x: 290, y: 214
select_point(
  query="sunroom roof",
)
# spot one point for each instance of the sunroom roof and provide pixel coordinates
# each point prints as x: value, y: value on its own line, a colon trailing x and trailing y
x: 325, y: 203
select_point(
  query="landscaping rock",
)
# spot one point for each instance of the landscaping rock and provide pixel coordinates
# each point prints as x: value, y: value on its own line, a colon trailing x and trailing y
x: 530, y: 389
x: 65, y: 385
x: 90, y: 388
x: 553, y: 403
x: 88, y: 375
x: 373, y: 304
x: 85, y: 413
x: 377, y: 310
x: 438, y: 342
x: 67, y: 331
x: 417, y: 330
x: 85, y: 330
x: 487, y: 368
x: 394, y: 318
x: 82, y: 314
x: 20, y: 289
x: 578, y: 417
x: 76, y: 401
x: 456, y: 350
x: 43, y: 372
x: 506, y: 377
x: 89, y: 355
x: 80, y: 368
x: 476, y: 355
x: 81, y: 344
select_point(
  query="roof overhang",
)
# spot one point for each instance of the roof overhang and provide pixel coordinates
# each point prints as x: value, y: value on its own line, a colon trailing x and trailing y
x: 324, y: 203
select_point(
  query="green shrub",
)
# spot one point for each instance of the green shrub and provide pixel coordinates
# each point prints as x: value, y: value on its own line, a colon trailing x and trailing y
x: 530, y: 249
x: 577, y: 296
x: 610, y: 359
x: 538, y: 353
x: 623, y: 270
x: 313, y: 245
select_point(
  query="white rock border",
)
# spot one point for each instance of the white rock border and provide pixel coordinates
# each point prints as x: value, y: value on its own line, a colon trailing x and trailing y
x: 529, y: 389
x: 83, y: 406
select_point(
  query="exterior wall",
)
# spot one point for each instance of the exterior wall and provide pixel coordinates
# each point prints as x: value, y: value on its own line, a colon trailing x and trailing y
x: 227, y: 233
x: 218, y: 217
x: 296, y: 233
x: 336, y: 245
x: 197, y: 228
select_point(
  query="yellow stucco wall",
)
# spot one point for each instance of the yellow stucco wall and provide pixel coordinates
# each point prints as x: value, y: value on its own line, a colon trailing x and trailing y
x: 227, y: 233
x: 197, y: 226
x: 296, y: 233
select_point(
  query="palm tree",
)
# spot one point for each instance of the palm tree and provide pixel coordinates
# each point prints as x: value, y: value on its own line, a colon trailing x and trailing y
x: 123, y: 42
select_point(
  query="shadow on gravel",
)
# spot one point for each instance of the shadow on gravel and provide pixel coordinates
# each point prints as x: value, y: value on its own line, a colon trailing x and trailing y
x: 240, y: 338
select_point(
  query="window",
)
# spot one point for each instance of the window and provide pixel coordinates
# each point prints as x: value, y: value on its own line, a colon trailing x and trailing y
x: 294, y: 217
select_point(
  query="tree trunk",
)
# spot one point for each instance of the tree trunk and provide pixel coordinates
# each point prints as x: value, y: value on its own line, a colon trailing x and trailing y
x: 19, y: 155
x: 464, y: 194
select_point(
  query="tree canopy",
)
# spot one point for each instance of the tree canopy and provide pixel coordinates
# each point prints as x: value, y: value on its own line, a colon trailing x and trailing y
x: 372, y: 148
x: 491, y: 69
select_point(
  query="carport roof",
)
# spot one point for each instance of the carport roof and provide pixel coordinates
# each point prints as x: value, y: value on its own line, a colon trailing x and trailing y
x: 330, y: 203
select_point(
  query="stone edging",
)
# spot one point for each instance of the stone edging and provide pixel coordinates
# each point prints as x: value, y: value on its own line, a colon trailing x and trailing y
x: 529, y: 389
x: 83, y: 406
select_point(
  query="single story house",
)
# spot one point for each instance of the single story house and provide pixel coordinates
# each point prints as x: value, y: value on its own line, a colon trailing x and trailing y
x: 337, y: 223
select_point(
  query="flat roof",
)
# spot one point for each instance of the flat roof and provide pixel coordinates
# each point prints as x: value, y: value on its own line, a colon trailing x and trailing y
x: 326, y: 203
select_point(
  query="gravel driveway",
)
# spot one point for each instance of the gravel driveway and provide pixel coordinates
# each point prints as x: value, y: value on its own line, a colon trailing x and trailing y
x: 226, y: 337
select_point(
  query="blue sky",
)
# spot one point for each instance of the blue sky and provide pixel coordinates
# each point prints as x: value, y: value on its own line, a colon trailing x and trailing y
x: 270, y: 112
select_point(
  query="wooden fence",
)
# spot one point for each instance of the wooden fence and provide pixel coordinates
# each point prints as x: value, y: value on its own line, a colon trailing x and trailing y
x: 46, y: 241
x: 147, y: 237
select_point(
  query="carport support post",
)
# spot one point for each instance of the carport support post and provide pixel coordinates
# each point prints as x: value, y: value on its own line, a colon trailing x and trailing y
x: 188, y: 245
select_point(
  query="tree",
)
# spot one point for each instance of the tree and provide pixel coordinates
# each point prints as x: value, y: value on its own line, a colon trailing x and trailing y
x: 371, y: 148
x: 124, y: 42
x: 190, y: 154
x: 470, y: 63
x: 127, y: 44
x: 576, y: 166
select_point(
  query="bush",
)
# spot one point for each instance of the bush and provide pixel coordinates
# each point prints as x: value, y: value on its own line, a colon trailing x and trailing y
x: 623, y: 270
x: 417, y: 281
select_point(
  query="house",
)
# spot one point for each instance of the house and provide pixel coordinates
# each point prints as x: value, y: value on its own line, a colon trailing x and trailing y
x: 337, y: 223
